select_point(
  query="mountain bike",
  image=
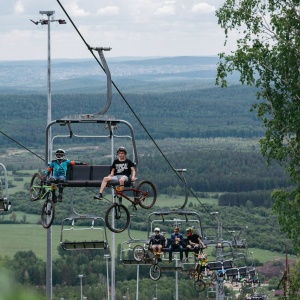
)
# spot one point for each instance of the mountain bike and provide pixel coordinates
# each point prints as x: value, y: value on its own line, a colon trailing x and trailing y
x: 149, y: 257
x: 41, y: 189
x: 117, y: 217
x: 196, y: 272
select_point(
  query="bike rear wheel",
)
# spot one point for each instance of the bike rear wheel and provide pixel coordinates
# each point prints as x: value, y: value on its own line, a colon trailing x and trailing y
x: 48, y: 213
x: 199, y: 285
x: 138, y: 253
x: 35, y: 190
x: 117, y: 218
x: 146, y: 193
x: 155, y: 272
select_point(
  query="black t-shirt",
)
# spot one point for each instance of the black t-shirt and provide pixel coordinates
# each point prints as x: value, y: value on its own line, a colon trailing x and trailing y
x: 194, y: 238
x: 122, y: 167
x: 157, y: 239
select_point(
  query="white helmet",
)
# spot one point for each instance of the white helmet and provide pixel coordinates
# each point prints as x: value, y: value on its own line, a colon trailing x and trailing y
x: 156, y: 229
x: 60, y: 154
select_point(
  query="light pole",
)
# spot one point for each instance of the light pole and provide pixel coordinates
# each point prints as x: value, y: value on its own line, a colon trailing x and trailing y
x: 216, y: 213
x: 155, y: 298
x: 80, y: 277
x: 48, y: 154
x: 219, y: 254
x: 107, y: 257
x: 48, y: 13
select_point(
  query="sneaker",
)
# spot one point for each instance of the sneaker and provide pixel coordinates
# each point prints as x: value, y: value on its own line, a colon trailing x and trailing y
x: 170, y: 261
x: 99, y: 196
x: 186, y: 260
x: 59, y: 198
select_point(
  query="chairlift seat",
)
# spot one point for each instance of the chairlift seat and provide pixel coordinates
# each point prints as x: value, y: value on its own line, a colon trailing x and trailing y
x: 168, y: 243
x: 243, y: 270
x: 251, y: 271
x: 77, y: 233
x: 217, y: 265
x: 232, y: 272
x: 171, y: 268
x: 134, y: 262
x: 89, y: 176
x: 84, y: 245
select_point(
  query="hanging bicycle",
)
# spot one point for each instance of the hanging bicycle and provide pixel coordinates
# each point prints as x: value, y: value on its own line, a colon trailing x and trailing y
x: 144, y: 195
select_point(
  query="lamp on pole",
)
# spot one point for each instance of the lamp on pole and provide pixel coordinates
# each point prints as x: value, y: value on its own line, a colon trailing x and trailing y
x: 80, y: 277
x: 107, y: 257
x: 49, y: 13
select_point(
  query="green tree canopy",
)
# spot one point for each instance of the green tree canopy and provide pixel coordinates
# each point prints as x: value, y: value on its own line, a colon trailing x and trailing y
x: 267, y: 56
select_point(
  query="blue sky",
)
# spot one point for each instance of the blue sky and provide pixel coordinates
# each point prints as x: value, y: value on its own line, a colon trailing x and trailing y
x: 140, y: 28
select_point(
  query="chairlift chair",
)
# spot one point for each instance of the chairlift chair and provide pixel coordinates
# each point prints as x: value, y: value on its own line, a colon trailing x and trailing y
x: 5, y: 204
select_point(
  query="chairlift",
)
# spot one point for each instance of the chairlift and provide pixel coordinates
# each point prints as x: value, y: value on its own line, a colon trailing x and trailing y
x: 76, y: 229
x: 5, y: 204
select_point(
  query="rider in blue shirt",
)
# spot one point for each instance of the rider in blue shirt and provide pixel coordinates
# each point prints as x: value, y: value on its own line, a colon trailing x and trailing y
x: 57, y: 170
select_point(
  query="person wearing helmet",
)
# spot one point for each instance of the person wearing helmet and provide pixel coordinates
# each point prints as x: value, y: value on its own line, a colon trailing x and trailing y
x: 157, y: 242
x: 193, y: 242
x: 57, y: 170
x: 121, y: 170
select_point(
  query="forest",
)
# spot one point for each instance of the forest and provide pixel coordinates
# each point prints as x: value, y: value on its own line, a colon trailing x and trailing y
x: 203, y: 113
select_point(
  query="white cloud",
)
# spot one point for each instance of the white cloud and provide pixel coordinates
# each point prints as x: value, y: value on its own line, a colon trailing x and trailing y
x: 74, y: 10
x: 18, y: 8
x: 203, y: 8
x: 108, y: 10
x: 165, y: 10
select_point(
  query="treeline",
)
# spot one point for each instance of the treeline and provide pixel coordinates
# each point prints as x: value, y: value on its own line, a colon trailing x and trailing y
x: 213, y: 171
x: 250, y: 199
x: 202, y: 113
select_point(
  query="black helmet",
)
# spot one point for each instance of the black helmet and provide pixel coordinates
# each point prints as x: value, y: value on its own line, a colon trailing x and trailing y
x: 121, y: 149
x: 60, y: 154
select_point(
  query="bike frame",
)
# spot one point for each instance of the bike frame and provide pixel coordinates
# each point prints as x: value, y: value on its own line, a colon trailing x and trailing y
x: 120, y: 194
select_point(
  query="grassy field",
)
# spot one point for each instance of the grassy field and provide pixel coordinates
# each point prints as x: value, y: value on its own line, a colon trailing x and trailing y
x: 33, y: 237
x: 27, y: 237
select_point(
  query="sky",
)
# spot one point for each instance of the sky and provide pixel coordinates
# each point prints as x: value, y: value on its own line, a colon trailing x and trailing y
x: 137, y: 28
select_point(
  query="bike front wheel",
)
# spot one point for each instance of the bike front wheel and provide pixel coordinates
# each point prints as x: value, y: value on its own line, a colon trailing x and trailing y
x: 117, y: 218
x: 146, y: 193
x: 35, y: 190
x: 199, y: 285
x: 47, y: 214
x: 155, y: 272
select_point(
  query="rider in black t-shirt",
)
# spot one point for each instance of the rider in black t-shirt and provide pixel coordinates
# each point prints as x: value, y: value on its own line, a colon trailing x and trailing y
x: 193, y: 242
x: 121, y: 169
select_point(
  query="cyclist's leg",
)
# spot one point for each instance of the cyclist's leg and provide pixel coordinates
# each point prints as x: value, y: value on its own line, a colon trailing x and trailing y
x: 122, y: 179
x: 61, y: 180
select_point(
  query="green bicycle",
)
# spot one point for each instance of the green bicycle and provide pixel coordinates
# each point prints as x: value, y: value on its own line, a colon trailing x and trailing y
x: 41, y: 189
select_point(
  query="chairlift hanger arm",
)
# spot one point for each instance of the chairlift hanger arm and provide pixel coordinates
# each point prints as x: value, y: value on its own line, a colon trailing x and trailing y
x: 108, y: 78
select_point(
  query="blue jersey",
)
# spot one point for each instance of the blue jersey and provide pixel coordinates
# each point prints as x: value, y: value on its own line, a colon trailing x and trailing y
x: 57, y: 169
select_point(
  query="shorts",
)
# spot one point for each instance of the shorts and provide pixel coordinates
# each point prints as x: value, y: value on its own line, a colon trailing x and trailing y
x: 118, y: 177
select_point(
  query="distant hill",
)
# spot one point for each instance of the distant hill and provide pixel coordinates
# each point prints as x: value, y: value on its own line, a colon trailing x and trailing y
x: 129, y: 73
